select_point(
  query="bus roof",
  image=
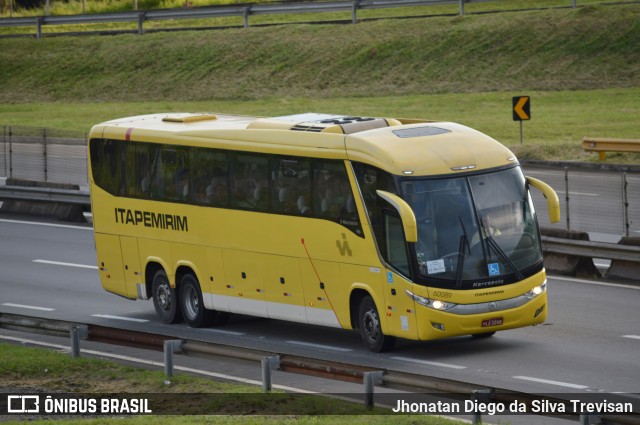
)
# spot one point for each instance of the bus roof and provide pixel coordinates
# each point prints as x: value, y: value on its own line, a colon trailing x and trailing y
x: 399, y: 146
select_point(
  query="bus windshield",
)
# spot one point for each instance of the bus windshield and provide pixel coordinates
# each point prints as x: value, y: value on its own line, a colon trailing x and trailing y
x: 474, y: 231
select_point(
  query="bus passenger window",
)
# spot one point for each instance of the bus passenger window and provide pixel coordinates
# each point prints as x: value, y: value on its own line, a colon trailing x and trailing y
x: 249, y: 183
x: 333, y: 197
x: 291, y: 186
x: 216, y: 191
x: 209, y: 176
x: 106, y: 165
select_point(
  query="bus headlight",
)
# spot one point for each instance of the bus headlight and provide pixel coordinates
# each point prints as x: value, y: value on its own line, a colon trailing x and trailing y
x: 537, y: 290
x: 434, y: 304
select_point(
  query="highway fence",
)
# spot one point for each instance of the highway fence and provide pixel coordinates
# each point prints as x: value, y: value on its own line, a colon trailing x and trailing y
x: 242, y: 11
x: 43, y: 155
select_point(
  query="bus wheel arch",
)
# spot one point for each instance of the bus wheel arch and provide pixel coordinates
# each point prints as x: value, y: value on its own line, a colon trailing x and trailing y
x: 366, y: 318
x: 165, y: 298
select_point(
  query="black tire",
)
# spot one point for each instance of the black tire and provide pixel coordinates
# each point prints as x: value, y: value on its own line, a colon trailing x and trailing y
x: 165, y: 299
x: 193, y: 310
x: 370, y: 330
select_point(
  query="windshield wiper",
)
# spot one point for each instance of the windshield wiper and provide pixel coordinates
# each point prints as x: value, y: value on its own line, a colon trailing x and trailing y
x: 464, y: 241
x: 493, y: 244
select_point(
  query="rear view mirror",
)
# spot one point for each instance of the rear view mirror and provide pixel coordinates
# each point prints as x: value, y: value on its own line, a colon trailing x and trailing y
x: 409, y: 223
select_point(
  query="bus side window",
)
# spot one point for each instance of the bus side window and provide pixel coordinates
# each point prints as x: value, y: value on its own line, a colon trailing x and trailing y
x: 333, y: 198
x: 144, y: 155
x: 291, y: 186
x: 249, y: 181
x: 209, y: 176
x: 104, y: 164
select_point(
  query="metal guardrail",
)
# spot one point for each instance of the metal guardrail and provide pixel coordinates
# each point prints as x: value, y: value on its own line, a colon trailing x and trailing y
x: 64, y: 196
x: 419, y: 385
x: 604, y: 145
x: 243, y: 11
x: 591, y: 249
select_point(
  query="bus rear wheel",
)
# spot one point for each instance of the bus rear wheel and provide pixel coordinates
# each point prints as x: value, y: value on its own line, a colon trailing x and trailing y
x: 370, y: 328
x: 165, y: 299
x: 196, y: 315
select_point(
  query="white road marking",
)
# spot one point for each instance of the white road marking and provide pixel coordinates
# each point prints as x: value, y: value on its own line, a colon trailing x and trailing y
x: 631, y: 336
x: 579, y: 193
x: 593, y: 282
x: 425, y: 362
x: 59, y: 263
x: 547, y: 381
x: 220, y: 331
x: 37, y: 223
x: 30, y: 307
x: 129, y: 319
x: 326, y: 347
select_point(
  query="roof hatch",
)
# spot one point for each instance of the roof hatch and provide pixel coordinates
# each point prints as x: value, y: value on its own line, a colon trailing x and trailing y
x: 323, y: 123
x: 187, y: 118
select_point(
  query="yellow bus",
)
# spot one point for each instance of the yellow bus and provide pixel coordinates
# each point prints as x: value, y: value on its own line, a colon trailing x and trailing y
x: 392, y: 227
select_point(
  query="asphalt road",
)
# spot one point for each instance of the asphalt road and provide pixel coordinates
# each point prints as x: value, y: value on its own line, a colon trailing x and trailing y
x: 589, y: 344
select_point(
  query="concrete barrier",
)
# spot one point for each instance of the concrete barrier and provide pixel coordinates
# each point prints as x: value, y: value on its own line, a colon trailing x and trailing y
x: 60, y: 210
x: 568, y: 264
x: 624, y: 269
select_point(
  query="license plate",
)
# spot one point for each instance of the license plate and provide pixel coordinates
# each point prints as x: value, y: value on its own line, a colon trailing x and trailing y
x: 496, y: 321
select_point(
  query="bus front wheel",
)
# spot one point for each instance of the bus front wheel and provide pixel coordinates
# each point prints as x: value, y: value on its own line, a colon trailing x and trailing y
x: 165, y: 299
x: 370, y: 328
x: 193, y: 304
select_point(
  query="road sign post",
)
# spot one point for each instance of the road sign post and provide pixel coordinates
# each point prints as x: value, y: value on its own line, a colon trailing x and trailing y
x: 521, y: 110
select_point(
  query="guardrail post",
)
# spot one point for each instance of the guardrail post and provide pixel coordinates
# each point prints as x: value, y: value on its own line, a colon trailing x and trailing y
x: 479, y: 396
x: 566, y: 196
x: 370, y: 380
x: 10, y: 154
x: 75, y: 341
x: 625, y: 204
x: 354, y: 13
x: 268, y: 364
x: 4, y: 146
x: 169, y: 347
x: 589, y: 419
x: 39, y: 20
x: 245, y: 16
x: 462, y: 14
x: 140, y: 23
x: 44, y: 141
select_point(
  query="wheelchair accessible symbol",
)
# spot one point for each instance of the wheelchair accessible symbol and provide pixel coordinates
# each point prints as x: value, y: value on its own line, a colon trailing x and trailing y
x: 494, y: 269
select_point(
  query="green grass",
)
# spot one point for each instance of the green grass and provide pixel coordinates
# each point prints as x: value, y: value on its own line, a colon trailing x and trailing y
x: 43, y: 371
x: 580, y: 66
x: 560, y: 119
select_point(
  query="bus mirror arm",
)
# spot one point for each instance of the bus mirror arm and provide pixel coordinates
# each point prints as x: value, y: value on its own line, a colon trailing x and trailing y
x: 553, y: 204
x: 409, y: 223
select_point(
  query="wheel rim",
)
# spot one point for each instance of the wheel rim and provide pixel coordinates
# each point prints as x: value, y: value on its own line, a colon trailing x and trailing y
x: 191, y: 302
x: 371, y: 325
x: 163, y: 295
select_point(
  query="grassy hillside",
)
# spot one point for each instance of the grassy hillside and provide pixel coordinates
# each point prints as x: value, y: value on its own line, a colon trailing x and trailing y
x: 587, y: 48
